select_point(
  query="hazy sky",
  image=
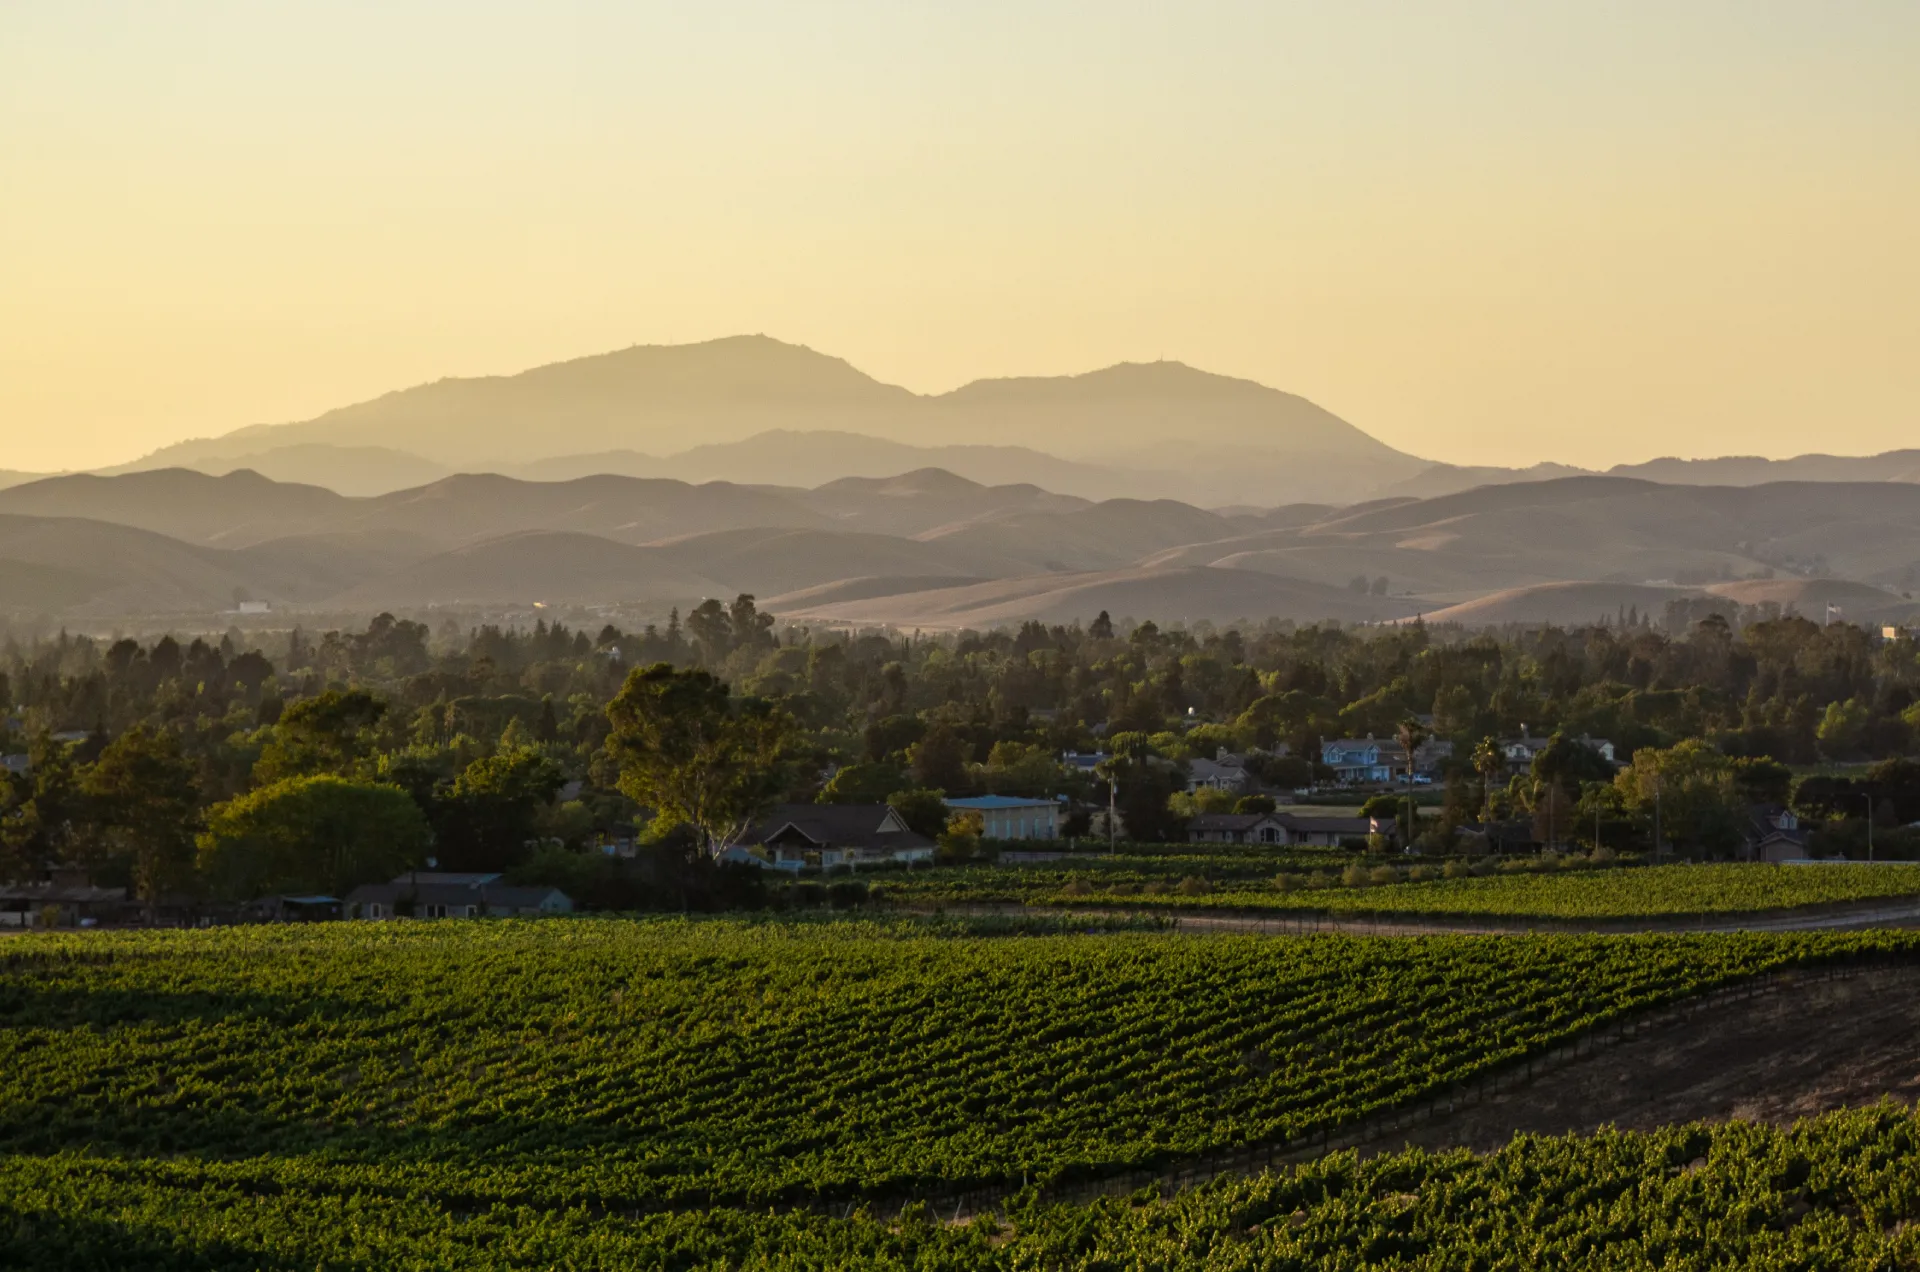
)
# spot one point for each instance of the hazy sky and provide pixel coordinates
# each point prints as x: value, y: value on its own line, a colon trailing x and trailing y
x: 1487, y: 232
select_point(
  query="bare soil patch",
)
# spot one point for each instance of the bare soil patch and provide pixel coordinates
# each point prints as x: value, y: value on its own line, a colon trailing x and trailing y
x: 1806, y: 1049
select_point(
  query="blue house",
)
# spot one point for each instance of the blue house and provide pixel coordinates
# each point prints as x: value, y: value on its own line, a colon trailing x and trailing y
x: 1356, y: 761
x: 1010, y: 817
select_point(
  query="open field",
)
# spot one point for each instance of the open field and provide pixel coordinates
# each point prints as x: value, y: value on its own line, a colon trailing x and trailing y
x: 1651, y: 892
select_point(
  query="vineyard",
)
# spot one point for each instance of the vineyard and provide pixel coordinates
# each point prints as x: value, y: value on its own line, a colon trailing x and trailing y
x: 1672, y: 891
x: 1837, y: 1193
x: 675, y: 1064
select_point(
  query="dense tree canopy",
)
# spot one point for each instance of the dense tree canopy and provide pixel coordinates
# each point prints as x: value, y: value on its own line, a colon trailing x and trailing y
x: 319, y: 834
x: 482, y: 727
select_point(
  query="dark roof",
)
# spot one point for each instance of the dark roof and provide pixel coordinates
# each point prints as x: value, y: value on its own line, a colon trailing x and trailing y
x: 1327, y: 825
x: 837, y: 826
x: 493, y: 896
x: 1229, y: 821
x: 461, y: 879
x: 54, y: 893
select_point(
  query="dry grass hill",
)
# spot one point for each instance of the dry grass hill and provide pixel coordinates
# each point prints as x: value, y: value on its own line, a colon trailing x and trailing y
x: 931, y: 549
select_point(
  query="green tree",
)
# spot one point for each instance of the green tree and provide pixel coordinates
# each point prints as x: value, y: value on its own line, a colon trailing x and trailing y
x: 1488, y: 760
x: 145, y: 794
x: 1692, y: 787
x: 925, y: 812
x: 865, y: 782
x: 43, y: 813
x: 693, y: 754
x: 489, y: 818
x: 318, y: 833
x: 330, y: 733
x: 1842, y: 728
x: 1016, y: 768
x: 939, y: 760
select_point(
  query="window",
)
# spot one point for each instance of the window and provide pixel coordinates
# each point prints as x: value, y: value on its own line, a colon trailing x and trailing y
x: 435, y: 911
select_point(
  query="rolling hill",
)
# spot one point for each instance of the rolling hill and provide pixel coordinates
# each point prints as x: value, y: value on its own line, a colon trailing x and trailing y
x: 930, y: 548
x: 618, y: 408
x: 1167, y: 595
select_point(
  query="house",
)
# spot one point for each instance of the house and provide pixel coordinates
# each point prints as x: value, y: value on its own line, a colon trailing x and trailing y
x: 1520, y: 751
x: 1224, y: 772
x: 1080, y: 763
x: 66, y: 899
x: 1011, y: 817
x: 1283, y: 828
x: 422, y: 894
x: 805, y: 836
x: 1358, y: 761
x: 1237, y: 828
x: 309, y: 909
x: 16, y: 765
x: 1772, y: 834
x: 1431, y: 756
x: 1334, y: 832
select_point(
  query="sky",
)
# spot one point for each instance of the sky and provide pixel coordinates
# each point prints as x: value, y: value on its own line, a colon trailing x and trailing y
x: 1483, y: 231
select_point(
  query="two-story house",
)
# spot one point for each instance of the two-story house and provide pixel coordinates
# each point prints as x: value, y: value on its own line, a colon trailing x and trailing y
x: 1361, y: 761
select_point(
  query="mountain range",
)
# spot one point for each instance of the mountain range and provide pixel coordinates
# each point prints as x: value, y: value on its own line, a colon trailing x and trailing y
x: 933, y: 549
x: 751, y: 409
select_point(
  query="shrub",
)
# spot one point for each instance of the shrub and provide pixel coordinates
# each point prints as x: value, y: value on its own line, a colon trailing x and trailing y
x: 1194, y: 886
x: 1385, y: 874
x: 1356, y: 876
x: 847, y: 893
x: 1422, y: 874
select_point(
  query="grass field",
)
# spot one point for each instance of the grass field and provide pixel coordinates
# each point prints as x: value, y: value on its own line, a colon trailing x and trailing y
x: 1671, y: 891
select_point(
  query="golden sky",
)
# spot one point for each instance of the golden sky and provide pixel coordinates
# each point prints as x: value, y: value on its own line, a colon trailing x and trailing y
x: 1484, y: 232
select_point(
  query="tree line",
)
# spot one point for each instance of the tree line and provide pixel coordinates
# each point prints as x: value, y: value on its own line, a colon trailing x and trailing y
x: 222, y: 764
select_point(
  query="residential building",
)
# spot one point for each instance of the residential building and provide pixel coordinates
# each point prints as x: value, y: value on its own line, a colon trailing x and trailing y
x: 1083, y: 763
x: 1431, y: 756
x: 1237, y: 828
x: 423, y: 894
x: 1284, y: 828
x: 1520, y: 751
x: 1773, y: 834
x: 1011, y: 817
x: 65, y: 900
x: 819, y: 836
x: 17, y: 765
x: 1224, y: 772
x: 1361, y: 761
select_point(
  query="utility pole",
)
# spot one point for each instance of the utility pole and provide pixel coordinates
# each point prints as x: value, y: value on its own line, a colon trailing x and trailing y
x: 1656, y: 821
x: 1869, y: 799
x: 1112, y: 796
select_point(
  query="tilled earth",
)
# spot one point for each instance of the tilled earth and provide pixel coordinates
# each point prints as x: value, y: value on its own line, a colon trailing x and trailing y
x: 1803, y: 1050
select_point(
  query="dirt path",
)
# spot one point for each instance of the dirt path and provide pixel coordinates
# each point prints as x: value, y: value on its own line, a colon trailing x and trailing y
x: 1816, y: 1047
x: 1789, y: 1047
x: 1904, y: 912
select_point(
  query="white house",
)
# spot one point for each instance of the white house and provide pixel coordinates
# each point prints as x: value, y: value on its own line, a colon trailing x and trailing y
x: 802, y: 836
